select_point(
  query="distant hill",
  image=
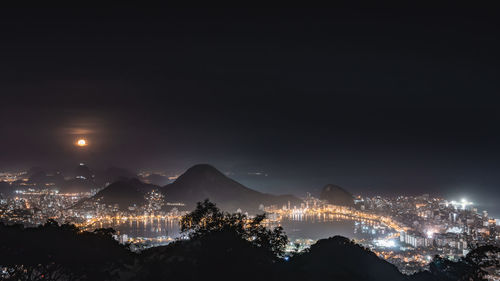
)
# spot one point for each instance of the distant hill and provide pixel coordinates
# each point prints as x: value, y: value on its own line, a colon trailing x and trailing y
x: 96, y: 179
x: 41, y: 179
x: 77, y: 185
x: 204, y: 181
x: 336, y: 195
x: 82, y: 171
x: 338, y: 258
x: 80, y: 178
x: 124, y: 193
x: 113, y: 174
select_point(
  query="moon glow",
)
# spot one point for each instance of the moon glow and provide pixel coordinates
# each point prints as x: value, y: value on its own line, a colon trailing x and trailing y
x: 81, y: 142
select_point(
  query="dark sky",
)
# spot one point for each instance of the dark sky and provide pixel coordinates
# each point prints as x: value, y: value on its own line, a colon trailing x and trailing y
x: 385, y: 101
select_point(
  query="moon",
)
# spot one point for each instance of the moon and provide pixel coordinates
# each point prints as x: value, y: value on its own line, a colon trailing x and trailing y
x: 81, y: 142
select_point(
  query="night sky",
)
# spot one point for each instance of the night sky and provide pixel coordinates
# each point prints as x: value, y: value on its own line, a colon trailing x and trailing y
x: 380, y: 101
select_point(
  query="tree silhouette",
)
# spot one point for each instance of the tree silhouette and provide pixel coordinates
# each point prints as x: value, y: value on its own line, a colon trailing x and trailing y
x: 60, y: 252
x: 221, y: 246
x: 338, y: 258
x: 207, y: 219
x: 472, y: 267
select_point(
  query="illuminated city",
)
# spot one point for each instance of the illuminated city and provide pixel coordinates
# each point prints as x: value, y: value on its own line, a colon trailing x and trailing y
x: 405, y: 230
x: 301, y: 144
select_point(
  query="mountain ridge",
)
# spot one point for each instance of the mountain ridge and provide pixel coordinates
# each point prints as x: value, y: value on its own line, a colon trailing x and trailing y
x: 198, y: 183
x: 204, y: 181
x: 337, y: 195
x: 125, y: 193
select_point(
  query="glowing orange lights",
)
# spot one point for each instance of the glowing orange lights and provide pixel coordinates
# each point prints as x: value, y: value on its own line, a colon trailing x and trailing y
x: 81, y: 143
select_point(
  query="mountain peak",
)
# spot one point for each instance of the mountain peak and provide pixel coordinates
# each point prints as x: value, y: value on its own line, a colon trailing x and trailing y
x: 203, y: 173
x: 333, y: 187
x: 123, y: 192
x: 204, y: 181
x: 203, y: 169
x: 336, y: 195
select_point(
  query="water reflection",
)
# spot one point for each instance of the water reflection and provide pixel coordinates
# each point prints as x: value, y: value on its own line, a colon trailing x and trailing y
x: 296, y: 227
x: 148, y: 228
x: 324, y: 226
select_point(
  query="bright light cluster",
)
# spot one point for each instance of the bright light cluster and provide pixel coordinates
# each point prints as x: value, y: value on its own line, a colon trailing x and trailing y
x: 81, y: 142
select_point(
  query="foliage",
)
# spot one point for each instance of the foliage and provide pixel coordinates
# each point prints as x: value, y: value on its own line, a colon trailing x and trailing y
x: 222, y: 246
x: 472, y: 267
x: 207, y: 219
x: 338, y: 258
x: 484, y: 256
x: 60, y: 252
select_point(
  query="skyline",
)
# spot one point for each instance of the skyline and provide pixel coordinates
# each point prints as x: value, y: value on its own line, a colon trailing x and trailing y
x: 406, y: 231
x: 396, y: 101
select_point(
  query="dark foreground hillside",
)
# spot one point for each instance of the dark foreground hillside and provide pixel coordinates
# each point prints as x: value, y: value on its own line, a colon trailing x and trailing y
x: 221, y: 246
x: 338, y: 258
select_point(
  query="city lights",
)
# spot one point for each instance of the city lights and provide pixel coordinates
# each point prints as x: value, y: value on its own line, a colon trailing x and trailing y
x: 386, y: 243
x: 405, y: 230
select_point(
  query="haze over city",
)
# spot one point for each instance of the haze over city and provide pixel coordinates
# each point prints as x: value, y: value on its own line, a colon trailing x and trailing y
x: 380, y: 102
x: 376, y: 100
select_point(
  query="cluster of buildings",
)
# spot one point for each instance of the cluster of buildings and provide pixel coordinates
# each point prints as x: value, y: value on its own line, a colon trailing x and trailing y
x: 410, y: 230
x: 420, y: 227
x: 10, y: 177
x: 33, y: 207
x: 432, y: 226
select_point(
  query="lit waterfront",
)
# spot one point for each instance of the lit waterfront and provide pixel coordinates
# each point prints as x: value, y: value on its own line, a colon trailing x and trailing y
x: 311, y: 224
x: 139, y: 226
x: 310, y: 217
x: 306, y: 227
x: 297, y: 227
x: 407, y: 231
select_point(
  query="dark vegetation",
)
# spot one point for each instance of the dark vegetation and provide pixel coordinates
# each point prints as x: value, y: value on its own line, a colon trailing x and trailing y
x: 60, y: 252
x: 221, y: 246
